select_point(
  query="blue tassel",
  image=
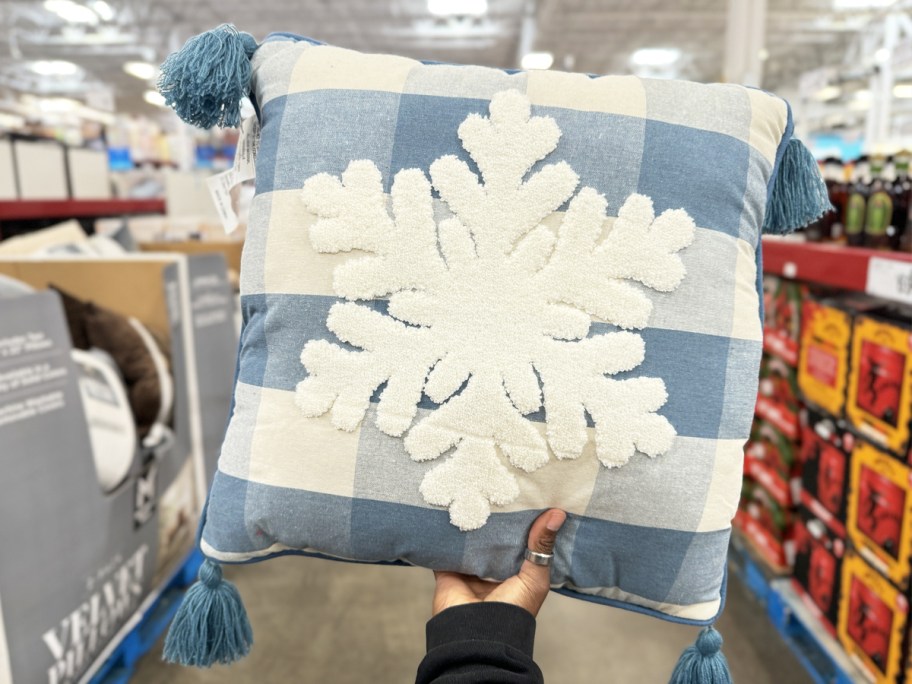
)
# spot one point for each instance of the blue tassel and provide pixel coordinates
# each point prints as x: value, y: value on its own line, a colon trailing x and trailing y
x: 703, y: 662
x: 799, y: 194
x: 205, y: 80
x: 211, y: 625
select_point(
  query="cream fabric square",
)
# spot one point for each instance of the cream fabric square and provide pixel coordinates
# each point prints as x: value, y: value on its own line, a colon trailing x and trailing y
x: 609, y: 94
x: 325, y: 461
x: 725, y: 486
x: 746, y: 324
x: 767, y: 116
x: 324, y: 67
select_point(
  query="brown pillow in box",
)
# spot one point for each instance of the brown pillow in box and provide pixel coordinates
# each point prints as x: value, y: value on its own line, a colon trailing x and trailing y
x: 94, y: 326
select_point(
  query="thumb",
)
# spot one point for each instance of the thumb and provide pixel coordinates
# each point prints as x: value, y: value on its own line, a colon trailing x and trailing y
x: 542, y: 537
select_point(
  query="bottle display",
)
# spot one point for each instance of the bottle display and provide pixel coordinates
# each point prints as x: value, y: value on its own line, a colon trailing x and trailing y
x: 879, y: 207
x: 856, y: 203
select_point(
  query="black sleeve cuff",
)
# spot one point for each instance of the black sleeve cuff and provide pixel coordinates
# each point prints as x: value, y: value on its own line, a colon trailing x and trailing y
x: 500, y: 622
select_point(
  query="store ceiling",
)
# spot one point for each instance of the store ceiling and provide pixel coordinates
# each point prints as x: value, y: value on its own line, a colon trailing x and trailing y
x: 596, y: 36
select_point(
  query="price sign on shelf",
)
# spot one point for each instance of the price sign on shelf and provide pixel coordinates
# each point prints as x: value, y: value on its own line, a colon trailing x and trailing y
x: 890, y: 279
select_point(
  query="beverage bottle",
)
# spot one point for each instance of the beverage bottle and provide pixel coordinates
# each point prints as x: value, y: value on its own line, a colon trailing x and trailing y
x: 879, y: 210
x: 856, y: 203
x: 834, y: 175
x: 902, y: 192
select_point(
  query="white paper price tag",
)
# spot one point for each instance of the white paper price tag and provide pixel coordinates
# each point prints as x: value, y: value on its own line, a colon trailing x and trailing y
x: 890, y: 279
x: 247, y: 147
x: 244, y: 168
x: 220, y: 186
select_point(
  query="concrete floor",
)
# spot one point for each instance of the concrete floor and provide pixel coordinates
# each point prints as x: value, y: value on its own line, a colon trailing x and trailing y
x: 320, y: 621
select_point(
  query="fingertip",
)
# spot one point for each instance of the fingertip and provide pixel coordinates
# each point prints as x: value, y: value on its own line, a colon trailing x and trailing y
x: 556, y: 519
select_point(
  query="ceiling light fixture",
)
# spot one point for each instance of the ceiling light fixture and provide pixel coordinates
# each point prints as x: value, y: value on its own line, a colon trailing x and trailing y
x: 53, y: 67
x: 457, y: 8
x: 830, y: 92
x: 858, y: 5
x: 863, y: 95
x: 153, y: 97
x: 537, y: 60
x: 902, y: 91
x: 145, y: 71
x: 102, y: 9
x: 655, y: 57
x: 71, y: 12
x: 859, y: 105
x: 882, y: 56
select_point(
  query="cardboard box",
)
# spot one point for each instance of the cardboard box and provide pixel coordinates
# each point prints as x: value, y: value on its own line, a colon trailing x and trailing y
x: 779, y: 383
x: 879, y: 403
x: 40, y: 169
x: 766, y: 525
x: 823, y: 360
x: 782, y: 300
x: 818, y: 566
x: 880, y: 512
x: 79, y: 561
x: 89, y: 175
x: 872, y: 620
x: 775, y: 451
x: 229, y: 249
x: 7, y: 172
x: 826, y: 445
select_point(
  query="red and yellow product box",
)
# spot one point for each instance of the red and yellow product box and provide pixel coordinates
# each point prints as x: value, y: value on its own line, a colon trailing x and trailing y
x: 879, y: 402
x: 823, y: 359
x: 826, y: 444
x: 771, y: 458
x: 765, y: 523
x: 880, y: 511
x: 779, y: 383
x: 782, y: 320
x: 872, y: 620
x: 818, y: 567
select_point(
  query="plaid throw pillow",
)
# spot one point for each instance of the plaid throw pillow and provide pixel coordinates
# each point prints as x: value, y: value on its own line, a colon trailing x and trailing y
x: 470, y: 295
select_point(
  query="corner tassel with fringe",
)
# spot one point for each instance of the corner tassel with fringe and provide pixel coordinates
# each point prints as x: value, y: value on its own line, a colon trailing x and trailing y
x: 703, y: 662
x: 799, y: 194
x: 205, y: 80
x: 211, y: 625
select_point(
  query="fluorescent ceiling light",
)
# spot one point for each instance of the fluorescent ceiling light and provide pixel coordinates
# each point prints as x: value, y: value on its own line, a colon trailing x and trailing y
x: 830, y: 92
x: 763, y: 54
x: 142, y: 70
x: 859, y: 105
x: 847, y: 5
x: 863, y: 95
x: 655, y: 57
x: 103, y: 10
x: 882, y: 56
x: 71, y: 12
x: 53, y: 67
x: 457, y: 8
x: 57, y: 105
x: 153, y: 97
x: 537, y: 60
x: 902, y: 90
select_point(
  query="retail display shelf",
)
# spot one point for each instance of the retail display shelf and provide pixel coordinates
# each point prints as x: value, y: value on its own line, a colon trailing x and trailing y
x: 18, y: 210
x: 147, y: 626
x: 879, y: 273
x: 814, y: 647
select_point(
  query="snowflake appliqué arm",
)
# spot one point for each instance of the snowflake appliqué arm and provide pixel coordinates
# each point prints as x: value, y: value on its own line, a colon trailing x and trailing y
x: 489, y: 311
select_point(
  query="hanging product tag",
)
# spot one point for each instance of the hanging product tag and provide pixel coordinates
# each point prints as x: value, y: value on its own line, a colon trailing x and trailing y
x: 244, y: 168
x: 248, y: 144
x: 220, y: 186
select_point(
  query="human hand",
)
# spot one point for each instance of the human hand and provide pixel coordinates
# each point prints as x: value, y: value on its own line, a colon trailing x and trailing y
x: 527, y: 589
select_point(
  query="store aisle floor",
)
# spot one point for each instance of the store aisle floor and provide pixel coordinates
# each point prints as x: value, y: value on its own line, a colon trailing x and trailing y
x: 316, y: 621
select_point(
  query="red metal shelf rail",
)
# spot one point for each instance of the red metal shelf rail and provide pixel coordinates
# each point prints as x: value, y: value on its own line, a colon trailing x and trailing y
x: 834, y: 265
x: 65, y: 209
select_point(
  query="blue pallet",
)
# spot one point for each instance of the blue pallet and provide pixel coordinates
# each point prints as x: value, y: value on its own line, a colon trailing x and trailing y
x: 815, y: 648
x: 118, y: 668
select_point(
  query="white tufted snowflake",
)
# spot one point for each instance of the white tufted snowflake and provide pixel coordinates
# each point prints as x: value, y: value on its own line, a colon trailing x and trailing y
x: 492, y: 301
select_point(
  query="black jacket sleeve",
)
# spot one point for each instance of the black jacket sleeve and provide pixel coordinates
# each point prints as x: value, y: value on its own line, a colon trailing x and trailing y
x: 480, y: 642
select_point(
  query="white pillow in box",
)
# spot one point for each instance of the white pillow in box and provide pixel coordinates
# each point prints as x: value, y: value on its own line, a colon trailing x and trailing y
x: 7, y: 171
x: 111, y: 428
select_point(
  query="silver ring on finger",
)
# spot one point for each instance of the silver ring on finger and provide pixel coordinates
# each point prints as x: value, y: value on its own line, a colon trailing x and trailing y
x: 538, y: 558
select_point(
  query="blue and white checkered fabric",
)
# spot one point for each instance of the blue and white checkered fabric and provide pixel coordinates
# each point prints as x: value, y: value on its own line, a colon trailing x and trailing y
x: 651, y: 535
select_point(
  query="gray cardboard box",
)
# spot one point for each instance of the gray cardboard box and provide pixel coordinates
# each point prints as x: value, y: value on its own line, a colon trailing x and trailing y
x: 87, y: 538
x: 74, y: 566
